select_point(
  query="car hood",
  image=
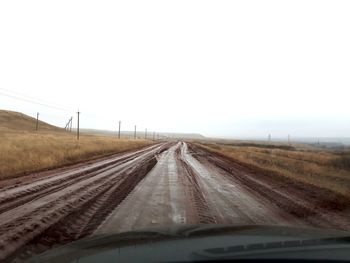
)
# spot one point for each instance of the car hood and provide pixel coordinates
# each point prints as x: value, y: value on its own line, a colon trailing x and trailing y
x: 190, y: 242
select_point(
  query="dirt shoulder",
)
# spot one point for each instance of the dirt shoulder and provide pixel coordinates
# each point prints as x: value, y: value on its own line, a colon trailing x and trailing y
x: 312, y: 201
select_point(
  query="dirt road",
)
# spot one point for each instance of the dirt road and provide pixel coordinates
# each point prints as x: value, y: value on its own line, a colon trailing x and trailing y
x: 162, y: 185
x: 181, y: 190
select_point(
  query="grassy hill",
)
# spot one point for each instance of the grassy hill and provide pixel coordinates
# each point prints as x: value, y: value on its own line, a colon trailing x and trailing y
x: 16, y: 121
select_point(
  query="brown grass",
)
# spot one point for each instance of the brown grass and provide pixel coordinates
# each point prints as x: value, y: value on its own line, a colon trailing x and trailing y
x: 23, y: 152
x: 325, y: 169
x: 15, y: 121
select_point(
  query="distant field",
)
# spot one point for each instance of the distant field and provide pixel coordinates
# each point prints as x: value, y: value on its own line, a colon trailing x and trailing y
x: 323, y: 168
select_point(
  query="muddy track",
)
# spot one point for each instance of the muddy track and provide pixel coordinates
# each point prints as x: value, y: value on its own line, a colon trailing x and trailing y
x: 84, y: 193
x: 299, y: 201
x: 10, y: 193
x: 203, y: 212
x: 161, y: 185
x: 11, y: 200
x: 83, y: 222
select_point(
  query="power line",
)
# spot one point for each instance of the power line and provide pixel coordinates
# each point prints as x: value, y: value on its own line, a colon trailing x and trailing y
x: 34, y: 102
x: 37, y: 99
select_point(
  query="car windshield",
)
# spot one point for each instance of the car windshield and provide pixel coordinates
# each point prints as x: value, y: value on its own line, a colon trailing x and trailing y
x: 137, y: 115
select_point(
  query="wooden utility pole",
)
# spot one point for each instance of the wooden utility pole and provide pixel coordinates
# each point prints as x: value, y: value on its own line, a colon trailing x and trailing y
x: 146, y: 134
x: 68, y: 124
x: 37, y: 122
x: 78, y: 125
x: 71, y: 121
x: 135, y: 133
x: 119, y: 130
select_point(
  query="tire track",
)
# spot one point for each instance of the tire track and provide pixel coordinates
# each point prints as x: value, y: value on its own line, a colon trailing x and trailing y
x: 221, y: 200
x: 83, y: 222
x: 203, y: 211
x: 42, y: 190
x: 33, y: 218
x: 11, y: 200
x: 163, y: 198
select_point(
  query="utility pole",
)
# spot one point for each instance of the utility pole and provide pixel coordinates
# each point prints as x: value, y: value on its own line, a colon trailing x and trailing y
x: 119, y: 130
x: 37, y: 122
x: 78, y: 125
x: 135, y: 133
x: 68, y: 124
x: 71, y: 121
x: 146, y: 134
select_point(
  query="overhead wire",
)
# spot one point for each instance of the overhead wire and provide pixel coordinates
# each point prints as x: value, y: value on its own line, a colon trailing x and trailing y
x: 30, y: 99
x: 26, y: 98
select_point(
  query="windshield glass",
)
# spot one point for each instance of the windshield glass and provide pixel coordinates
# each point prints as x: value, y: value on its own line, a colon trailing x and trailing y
x: 137, y: 115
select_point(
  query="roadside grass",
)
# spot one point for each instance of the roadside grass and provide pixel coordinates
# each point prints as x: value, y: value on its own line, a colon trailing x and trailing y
x: 25, y: 152
x: 323, y: 168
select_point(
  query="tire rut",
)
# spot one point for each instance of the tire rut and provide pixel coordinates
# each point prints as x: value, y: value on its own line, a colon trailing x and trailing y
x: 35, y: 192
x: 203, y: 211
x: 83, y: 222
x: 101, y: 194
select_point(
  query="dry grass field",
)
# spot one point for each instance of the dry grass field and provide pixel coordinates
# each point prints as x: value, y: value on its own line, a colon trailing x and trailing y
x: 29, y: 151
x: 23, y: 150
x: 324, y: 168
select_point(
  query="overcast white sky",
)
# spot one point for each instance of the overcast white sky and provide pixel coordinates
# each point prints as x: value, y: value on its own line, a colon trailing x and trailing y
x: 220, y: 68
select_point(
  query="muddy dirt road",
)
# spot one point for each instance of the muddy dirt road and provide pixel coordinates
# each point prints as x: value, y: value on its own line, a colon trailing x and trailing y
x: 161, y: 185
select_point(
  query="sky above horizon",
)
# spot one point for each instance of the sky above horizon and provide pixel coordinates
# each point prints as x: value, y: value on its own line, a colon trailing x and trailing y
x: 219, y: 68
